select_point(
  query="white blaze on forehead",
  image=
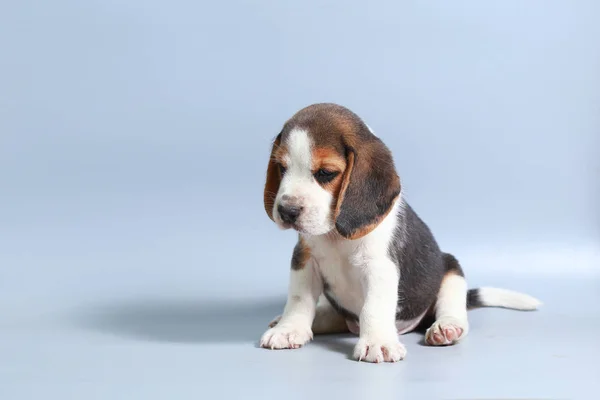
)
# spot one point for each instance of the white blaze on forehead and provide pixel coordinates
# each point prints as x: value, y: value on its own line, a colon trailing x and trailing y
x: 299, y: 157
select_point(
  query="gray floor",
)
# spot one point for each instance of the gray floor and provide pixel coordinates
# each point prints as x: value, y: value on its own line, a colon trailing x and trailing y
x: 184, y: 347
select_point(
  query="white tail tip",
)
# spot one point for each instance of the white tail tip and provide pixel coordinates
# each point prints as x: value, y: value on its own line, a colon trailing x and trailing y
x: 496, y: 297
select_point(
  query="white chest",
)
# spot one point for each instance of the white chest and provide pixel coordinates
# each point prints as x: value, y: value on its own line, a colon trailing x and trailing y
x: 341, y: 275
x: 345, y: 264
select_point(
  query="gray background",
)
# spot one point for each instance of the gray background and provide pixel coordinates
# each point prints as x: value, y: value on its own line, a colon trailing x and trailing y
x: 135, y: 256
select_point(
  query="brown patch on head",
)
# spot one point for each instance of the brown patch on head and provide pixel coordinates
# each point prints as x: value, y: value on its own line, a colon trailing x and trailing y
x: 301, y: 255
x: 367, y: 185
x: 326, y: 124
x: 273, y: 179
x: 328, y: 159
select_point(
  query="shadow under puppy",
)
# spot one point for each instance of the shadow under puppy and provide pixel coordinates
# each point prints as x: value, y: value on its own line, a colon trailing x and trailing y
x: 364, y: 261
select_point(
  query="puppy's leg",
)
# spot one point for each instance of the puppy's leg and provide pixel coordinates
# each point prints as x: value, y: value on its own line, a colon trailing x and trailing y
x: 294, y: 327
x: 451, y: 323
x: 378, y: 340
x: 327, y: 319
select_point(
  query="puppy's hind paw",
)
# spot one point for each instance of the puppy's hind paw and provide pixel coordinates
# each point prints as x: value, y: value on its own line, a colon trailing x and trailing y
x: 446, y: 331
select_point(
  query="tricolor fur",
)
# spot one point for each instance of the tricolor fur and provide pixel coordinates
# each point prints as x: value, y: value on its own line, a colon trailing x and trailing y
x: 364, y: 262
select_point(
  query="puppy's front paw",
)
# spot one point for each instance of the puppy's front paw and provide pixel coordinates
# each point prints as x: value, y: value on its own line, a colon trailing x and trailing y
x: 286, y: 336
x: 378, y: 350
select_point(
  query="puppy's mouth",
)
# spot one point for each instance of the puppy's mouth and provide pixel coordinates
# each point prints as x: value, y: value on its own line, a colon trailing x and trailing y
x: 294, y: 226
x: 305, y: 228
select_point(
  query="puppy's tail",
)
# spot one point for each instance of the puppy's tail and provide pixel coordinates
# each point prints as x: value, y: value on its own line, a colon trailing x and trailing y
x: 496, y: 297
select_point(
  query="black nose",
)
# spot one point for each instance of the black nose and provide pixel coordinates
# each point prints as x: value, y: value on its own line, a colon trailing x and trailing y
x: 289, y: 214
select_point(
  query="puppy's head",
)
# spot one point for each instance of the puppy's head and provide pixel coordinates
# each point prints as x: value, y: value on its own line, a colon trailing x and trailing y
x: 329, y: 173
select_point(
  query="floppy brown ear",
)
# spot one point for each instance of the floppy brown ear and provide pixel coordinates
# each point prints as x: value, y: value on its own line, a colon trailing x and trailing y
x: 369, y: 188
x: 273, y: 179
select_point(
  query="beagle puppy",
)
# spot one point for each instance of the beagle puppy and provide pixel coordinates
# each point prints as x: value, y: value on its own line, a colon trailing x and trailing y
x: 364, y: 261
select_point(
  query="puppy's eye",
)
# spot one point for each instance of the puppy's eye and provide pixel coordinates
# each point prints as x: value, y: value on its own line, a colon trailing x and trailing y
x: 324, y: 176
x: 282, y: 169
